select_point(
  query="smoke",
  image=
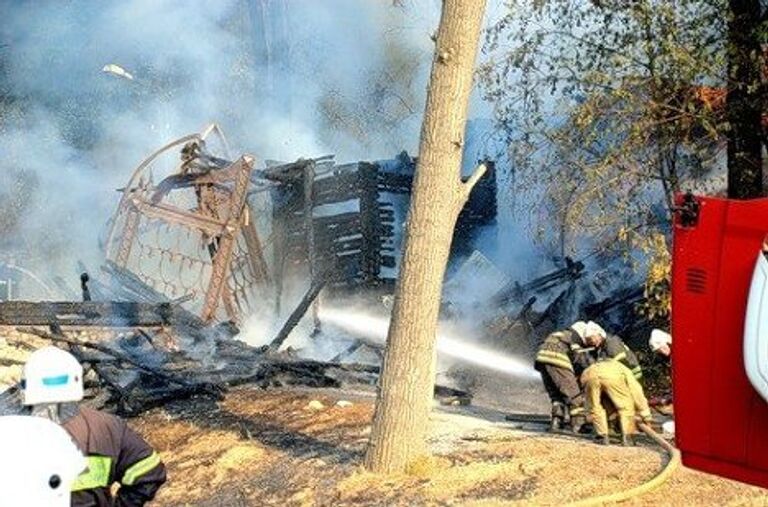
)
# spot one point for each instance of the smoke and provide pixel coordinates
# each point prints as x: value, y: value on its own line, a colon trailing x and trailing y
x: 51, y: 192
x: 285, y: 79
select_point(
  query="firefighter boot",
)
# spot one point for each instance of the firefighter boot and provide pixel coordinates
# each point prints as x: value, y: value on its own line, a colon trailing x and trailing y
x: 558, y: 416
x: 628, y: 440
x: 578, y: 422
x: 602, y: 440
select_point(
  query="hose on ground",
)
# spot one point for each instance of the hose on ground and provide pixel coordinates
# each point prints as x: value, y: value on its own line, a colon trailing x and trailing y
x: 658, y: 480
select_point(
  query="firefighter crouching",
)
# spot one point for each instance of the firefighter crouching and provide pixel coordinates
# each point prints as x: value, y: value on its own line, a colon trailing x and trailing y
x: 617, y: 382
x: 611, y: 347
x: 52, y: 385
x: 560, y: 360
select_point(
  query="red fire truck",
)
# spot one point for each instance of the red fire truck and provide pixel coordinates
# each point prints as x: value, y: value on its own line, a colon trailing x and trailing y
x: 720, y: 330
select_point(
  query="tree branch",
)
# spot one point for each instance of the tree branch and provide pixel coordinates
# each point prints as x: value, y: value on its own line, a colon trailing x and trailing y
x: 472, y: 181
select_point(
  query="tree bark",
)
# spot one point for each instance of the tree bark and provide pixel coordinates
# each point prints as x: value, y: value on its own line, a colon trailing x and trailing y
x: 408, y: 372
x: 744, y: 104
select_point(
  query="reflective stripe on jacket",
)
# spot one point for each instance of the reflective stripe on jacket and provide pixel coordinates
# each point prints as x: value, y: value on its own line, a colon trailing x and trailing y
x: 555, y: 350
x: 562, y: 349
x: 115, y: 454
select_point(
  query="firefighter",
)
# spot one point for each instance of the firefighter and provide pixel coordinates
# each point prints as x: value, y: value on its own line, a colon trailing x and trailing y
x: 661, y: 342
x: 560, y: 360
x: 52, y: 384
x: 617, y: 382
x: 611, y: 347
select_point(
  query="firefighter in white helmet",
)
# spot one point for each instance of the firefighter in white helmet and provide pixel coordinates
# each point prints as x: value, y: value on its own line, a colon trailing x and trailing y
x: 560, y: 359
x: 40, y: 462
x: 609, y: 346
x: 52, y: 384
x: 661, y: 342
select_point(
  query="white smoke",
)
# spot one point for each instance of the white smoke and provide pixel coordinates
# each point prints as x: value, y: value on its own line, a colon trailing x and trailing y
x: 285, y: 79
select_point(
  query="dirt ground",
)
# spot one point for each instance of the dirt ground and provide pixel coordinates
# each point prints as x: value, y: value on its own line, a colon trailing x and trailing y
x: 282, y: 447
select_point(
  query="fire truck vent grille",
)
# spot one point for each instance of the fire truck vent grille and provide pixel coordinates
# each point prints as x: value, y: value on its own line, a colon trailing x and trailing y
x: 696, y: 280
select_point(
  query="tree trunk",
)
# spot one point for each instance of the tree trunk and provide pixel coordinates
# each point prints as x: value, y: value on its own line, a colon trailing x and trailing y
x: 744, y: 104
x: 408, y: 372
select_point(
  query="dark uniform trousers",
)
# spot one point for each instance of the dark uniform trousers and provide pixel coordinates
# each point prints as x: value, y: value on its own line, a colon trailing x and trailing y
x: 559, y: 360
x: 116, y: 455
x: 563, y: 390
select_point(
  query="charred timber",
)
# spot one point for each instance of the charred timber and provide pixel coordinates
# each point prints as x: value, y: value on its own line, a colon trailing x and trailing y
x: 298, y: 313
x: 291, y: 172
x: 620, y: 298
x: 134, y: 285
x: 516, y: 291
x: 165, y: 376
x: 354, y: 347
x: 88, y: 313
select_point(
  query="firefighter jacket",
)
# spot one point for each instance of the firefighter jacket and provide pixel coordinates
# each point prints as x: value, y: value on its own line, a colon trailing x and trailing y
x: 564, y: 350
x: 618, y: 383
x: 115, y: 454
x: 614, y: 348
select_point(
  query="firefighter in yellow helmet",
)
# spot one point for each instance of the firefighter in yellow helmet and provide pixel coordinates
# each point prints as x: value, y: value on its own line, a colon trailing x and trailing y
x: 610, y: 378
x: 52, y: 385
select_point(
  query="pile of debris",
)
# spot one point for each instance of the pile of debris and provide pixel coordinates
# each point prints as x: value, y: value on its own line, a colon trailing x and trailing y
x: 199, y: 242
x: 139, y: 355
x: 515, y: 316
x: 142, y: 353
x: 202, y: 240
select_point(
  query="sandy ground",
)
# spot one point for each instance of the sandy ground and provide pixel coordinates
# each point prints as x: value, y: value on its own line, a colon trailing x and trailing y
x: 282, y: 447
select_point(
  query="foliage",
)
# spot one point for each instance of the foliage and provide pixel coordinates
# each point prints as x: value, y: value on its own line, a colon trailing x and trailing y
x: 608, y: 108
x: 658, y: 297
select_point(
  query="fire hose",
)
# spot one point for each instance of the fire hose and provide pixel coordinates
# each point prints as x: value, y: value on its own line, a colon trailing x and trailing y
x: 658, y: 480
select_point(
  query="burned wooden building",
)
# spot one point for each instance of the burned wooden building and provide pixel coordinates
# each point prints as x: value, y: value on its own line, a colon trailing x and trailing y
x: 194, y: 225
x: 358, y: 215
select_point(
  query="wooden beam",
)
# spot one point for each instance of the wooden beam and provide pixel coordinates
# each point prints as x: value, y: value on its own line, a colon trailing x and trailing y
x: 87, y: 313
x: 297, y: 314
x: 223, y: 259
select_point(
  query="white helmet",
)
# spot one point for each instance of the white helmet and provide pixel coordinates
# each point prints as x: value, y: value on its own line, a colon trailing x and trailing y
x: 658, y: 339
x: 579, y: 327
x: 594, y: 329
x: 52, y: 375
x: 40, y: 462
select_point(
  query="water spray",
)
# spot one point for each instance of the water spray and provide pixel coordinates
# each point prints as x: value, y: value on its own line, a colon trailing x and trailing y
x: 373, y: 329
